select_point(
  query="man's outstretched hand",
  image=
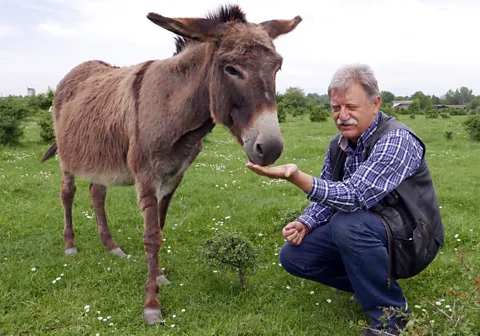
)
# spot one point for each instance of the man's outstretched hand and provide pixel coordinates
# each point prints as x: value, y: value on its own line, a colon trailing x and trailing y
x: 285, y: 172
x: 289, y: 172
x: 294, y: 232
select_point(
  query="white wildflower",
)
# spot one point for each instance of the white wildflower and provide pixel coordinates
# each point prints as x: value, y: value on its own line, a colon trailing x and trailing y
x: 329, y: 301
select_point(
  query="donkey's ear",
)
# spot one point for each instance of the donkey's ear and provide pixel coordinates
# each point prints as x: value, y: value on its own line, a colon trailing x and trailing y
x: 204, y: 30
x: 276, y: 28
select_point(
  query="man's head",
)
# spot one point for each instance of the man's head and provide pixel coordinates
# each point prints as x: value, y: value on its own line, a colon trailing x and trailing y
x: 355, y: 99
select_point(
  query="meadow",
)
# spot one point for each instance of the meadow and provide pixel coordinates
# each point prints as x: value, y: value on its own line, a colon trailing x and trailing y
x: 45, y: 292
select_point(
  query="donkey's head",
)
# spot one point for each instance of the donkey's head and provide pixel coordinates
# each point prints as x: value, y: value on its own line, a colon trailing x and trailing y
x: 243, y: 65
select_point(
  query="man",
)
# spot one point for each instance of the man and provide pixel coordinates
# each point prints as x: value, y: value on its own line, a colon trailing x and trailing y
x: 374, y: 216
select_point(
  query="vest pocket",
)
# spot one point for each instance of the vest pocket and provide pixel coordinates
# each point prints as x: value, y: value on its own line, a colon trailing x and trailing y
x: 412, y: 255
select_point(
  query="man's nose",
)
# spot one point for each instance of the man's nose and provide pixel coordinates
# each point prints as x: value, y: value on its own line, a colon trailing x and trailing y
x: 344, y: 114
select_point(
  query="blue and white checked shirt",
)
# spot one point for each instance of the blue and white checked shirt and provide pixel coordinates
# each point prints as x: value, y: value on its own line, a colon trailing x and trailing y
x: 396, y: 156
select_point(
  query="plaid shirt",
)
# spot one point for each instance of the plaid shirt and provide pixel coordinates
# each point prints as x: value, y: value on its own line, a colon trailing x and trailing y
x: 396, y: 156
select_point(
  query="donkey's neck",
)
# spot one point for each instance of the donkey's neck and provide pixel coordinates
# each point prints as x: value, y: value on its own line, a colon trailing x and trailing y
x: 189, y: 72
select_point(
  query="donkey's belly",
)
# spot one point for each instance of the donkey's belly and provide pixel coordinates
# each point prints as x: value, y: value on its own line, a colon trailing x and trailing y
x: 113, y: 178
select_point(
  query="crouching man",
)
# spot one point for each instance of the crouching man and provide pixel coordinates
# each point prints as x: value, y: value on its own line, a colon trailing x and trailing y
x: 374, y: 215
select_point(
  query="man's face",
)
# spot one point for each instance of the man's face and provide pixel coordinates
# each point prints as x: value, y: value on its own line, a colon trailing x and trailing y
x: 352, y: 112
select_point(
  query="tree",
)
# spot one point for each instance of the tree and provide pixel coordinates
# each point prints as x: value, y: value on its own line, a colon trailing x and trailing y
x: 387, y: 97
x: 414, y: 107
x: 436, y: 100
x: 474, y: 103
x: 319, y: 99
x: 296, y: 101
x: 460, y: 96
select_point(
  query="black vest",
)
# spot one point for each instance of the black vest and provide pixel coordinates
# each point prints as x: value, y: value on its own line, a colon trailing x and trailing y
x: 410, y: 213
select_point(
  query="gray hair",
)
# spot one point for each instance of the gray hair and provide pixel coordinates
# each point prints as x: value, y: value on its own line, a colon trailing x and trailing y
x: 351, y: 74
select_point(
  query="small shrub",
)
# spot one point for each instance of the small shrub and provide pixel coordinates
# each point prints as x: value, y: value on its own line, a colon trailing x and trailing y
x: 318, y: 114
x: 472, y: 127
x: 12, y: 115
x: 298, y: 111
x: 448, y: 135
x: 412, y: 116
x: 231, y: 251
x: 444, y: 115
x: 45, y: 121
x: 431, y: 114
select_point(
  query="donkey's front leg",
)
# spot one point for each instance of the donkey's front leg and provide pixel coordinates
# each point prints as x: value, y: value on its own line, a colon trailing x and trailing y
x: 165, y: 195
x: 152, y: 239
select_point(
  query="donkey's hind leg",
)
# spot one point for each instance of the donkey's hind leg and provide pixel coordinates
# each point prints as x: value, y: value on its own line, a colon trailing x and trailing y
x: 67, y: 195
x: 98, y: 193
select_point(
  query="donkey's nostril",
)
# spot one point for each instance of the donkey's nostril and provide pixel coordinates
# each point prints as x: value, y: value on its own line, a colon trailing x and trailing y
x: 258, y: 149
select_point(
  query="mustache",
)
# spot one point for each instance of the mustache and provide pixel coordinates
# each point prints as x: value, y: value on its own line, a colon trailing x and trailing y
x: 350, y: 121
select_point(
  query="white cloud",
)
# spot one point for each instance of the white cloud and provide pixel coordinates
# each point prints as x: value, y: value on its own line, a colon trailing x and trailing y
x: 56, y: 29
x: 8, y: 31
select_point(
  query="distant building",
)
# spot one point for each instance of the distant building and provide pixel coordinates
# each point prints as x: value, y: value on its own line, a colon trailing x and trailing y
x: 30, y: 91
x: 444, y: 106
x: 401, y: 103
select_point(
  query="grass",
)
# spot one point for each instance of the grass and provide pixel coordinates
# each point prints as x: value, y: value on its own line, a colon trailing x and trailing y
x: 218, y: 193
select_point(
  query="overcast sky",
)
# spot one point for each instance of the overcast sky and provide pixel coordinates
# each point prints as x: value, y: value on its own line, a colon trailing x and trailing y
x: 427, y: 45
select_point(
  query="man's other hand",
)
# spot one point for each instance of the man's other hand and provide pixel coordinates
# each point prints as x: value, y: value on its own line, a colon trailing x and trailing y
x: 294, y: 232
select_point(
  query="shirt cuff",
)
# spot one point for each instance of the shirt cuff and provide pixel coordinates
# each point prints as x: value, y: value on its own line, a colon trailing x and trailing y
x: 308, y: 221
x: 319, y: 191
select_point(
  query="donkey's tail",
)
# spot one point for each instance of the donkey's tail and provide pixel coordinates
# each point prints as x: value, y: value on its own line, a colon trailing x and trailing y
x: 50, y: 152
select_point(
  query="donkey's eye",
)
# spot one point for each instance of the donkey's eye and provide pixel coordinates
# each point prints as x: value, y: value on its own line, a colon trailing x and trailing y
x: 232, y: 71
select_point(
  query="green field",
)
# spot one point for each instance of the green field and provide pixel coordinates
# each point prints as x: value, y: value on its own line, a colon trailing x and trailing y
x: 218, y: 193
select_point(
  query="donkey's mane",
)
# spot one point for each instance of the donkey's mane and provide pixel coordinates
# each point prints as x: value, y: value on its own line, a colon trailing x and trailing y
x: 228, y: 13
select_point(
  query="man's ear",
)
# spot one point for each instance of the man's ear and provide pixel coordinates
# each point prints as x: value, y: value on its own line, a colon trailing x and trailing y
x: 276, y: 28
x: 204, y: 30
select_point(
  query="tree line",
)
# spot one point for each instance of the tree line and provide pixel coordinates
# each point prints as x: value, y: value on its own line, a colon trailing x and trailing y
x: 15, y: 111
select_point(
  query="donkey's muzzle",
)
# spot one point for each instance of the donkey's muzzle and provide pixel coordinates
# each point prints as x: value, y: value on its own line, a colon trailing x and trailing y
x: 266, y: 152
x: 263, y: 141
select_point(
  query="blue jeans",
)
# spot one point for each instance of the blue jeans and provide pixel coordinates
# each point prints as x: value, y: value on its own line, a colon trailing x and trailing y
x: 348, y: 253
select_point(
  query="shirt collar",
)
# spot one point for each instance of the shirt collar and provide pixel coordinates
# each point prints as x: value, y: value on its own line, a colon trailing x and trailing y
x: 364, y: 138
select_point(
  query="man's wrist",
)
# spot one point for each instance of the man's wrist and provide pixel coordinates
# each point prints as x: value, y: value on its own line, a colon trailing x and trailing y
x: 301, y: 180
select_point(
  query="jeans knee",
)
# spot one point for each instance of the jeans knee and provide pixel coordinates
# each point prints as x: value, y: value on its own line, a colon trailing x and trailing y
x: 342, y: 225
x: 287, y: 258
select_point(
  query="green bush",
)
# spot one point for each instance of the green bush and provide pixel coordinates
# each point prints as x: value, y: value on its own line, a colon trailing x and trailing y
x: 231, y: 251
x: 445, y: 115
x: 472, y: 127
x: 458, y: 111
x: 45, y: 121
x: 318, y: 114
x: 412, y: 116
x: 431, y: 114
x: 12, y: 115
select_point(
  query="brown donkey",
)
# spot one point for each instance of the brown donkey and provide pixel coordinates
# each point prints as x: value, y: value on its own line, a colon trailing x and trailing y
x: 143, y: 125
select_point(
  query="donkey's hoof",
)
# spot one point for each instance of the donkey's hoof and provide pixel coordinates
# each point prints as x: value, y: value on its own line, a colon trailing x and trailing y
x: 118, y: 252
x: 162, y: 280
x: 153, y: 315
x: 71, y: 251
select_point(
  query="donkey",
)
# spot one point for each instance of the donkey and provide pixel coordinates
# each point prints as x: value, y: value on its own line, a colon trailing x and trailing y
x: 143, y: 125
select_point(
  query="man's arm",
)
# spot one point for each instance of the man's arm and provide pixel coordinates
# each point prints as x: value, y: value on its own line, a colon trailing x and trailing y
x: 316, y: 213
x: 395, y: 157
